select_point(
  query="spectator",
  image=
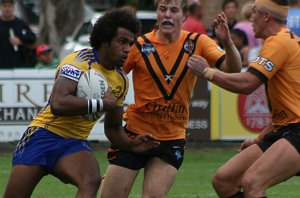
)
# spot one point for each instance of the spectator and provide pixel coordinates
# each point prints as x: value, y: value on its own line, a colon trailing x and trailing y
x: 17, y: 41
x: 193, y: 21
x: 230, y: 7
x: 246, y: 26
x: 240, y: 41
x: 45, y: 58
x: 293, y: 19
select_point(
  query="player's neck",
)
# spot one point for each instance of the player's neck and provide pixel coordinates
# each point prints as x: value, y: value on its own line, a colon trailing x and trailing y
x: 167, y: 38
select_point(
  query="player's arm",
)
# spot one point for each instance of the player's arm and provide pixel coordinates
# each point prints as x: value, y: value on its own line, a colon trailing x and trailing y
x: 248, y: 142
x: 116, y: 134
x: 243, y: 83
x: 233, y: 61
x: 63, y: 100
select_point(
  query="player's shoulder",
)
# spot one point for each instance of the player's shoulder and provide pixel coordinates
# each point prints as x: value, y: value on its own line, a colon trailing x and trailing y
x: 80, y: 59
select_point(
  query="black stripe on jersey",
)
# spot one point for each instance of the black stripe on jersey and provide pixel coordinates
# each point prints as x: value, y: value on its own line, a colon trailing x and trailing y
x: 148, y: 64
x: 177, y: 62
x: 257, y: 73
x: 162, y: 68
x: 220, y: 61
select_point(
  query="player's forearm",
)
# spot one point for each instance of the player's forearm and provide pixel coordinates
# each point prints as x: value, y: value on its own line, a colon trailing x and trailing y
x: 118, y: 137
x: 232, y: 82
x: 233, y: 58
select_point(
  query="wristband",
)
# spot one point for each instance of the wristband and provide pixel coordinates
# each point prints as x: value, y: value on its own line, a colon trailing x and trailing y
x: 89, y: 106
x: 94, y: 105
x: 208, y: 73
x: 100, y: 105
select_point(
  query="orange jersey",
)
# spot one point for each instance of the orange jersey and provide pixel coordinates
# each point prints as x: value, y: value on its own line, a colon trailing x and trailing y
x: 163, y: 84
x: 278, y: 65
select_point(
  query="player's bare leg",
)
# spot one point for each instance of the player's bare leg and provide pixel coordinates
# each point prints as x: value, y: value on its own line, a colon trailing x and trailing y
x: 227, y: 179
x: 158, y: 179
x: 114, y: 179
x: 280, y: 162
x: 82, y: 170
x: 22, y: 180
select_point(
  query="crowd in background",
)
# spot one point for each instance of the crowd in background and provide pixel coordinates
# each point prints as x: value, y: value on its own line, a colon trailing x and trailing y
x: 19, y: 47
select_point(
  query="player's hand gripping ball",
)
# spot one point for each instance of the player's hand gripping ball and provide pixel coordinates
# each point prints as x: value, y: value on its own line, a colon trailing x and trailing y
x: 92, y: 85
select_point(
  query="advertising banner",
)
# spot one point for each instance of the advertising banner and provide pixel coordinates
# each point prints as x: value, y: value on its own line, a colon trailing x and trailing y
x: 23, y: 93
x: 238, y: 116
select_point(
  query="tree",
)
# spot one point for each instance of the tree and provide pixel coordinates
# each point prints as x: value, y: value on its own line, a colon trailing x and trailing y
x: 58, y: 19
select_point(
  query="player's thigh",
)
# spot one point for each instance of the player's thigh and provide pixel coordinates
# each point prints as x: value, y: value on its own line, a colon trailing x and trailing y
x: 159, y: 177
x: 234, y: 169
x: 278, y: 163
x: 78, y: 168
x: 23, y: 179
x: 117, y: 181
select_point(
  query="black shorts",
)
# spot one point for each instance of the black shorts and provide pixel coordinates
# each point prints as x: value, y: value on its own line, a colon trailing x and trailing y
x: 291, y: 133
x: 171, y: 152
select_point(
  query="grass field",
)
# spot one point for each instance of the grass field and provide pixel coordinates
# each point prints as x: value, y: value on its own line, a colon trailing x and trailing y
x: 193, y: 180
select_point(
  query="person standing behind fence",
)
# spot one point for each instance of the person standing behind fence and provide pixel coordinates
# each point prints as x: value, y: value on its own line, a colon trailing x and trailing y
x: 45, y: 57
x: 17, y: 41
x: 193, y: 21
x: 246, y: 25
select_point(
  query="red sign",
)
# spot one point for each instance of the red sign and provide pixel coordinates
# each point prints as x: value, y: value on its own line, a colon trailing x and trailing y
x: 253, y: 110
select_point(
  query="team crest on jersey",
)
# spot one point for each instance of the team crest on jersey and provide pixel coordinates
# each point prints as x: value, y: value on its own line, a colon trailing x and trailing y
x: 189, y: 46
x: 148, y: 48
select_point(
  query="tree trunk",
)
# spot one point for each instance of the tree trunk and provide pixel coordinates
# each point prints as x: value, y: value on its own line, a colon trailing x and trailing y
x: 58, y: 19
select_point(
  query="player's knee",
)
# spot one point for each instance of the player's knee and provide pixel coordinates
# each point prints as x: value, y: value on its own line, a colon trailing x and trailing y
x: 248, y: 183
x: 91, y: 183
x: 218, y: 180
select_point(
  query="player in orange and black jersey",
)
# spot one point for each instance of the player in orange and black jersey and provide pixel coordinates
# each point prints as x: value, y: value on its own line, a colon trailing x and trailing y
x: 163, y: 87
x: 56, y: 140
x: 275, y: 156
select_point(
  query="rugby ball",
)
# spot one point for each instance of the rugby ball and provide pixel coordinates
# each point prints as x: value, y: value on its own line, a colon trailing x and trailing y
x: 92, y: 85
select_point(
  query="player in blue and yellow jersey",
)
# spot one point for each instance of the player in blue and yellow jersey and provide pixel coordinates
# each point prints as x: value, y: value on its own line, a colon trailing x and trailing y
x: 273, y: 156
x: 163, y: 86
x: 56, y: 140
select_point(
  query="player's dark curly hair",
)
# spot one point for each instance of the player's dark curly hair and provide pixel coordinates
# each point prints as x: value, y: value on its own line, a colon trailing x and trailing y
x: 105, y: 29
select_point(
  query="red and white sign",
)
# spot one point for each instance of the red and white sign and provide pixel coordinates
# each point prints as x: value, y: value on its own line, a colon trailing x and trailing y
x: 253, y: 110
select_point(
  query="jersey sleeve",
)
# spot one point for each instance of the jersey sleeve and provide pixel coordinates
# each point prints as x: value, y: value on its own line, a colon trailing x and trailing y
x: 209, y: 49
x: 70, y: 68
x: 270, y: 59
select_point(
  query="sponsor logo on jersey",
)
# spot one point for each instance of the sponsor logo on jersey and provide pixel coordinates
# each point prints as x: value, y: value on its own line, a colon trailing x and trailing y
x: 148, y: 48
x: 70, y: 71
x: 189, y: 46
x: 253, y: 110
x: 266, y: 63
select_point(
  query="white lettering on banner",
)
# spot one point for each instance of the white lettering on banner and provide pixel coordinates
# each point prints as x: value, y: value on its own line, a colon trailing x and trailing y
x: 10, y: 115
x: 202, y: 104
x: 198, y: 124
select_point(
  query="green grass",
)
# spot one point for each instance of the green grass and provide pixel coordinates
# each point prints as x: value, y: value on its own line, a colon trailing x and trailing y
x: 193, y: 180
